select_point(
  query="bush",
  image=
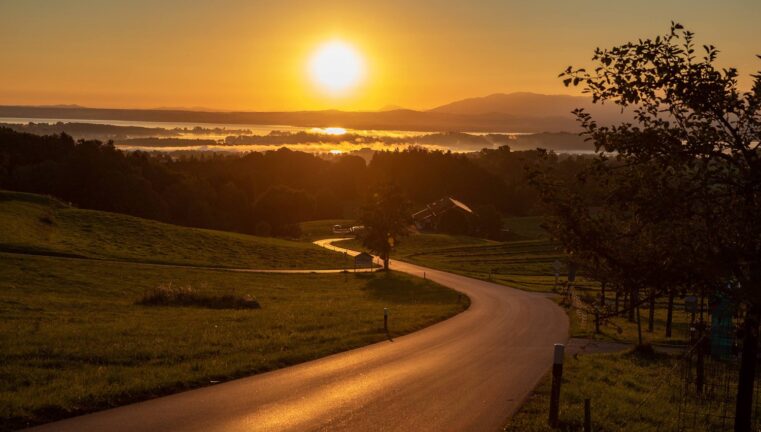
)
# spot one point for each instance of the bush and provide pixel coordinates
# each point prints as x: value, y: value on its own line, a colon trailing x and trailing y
x: 167, y: 295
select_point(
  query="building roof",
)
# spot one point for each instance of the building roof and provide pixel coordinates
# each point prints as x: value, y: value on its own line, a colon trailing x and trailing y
x: 438, y: 207
x: 363, y: 255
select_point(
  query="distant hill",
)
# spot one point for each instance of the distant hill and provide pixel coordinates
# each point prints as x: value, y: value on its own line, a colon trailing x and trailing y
x: 391, y: 108
x: 529, y: 105
x: 516, y: 112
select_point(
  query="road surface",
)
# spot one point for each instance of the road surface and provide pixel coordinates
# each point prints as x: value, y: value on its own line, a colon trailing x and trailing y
x: 468, y: 373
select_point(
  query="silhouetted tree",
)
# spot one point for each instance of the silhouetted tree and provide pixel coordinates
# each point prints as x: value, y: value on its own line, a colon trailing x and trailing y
x: 693, y: 170
x: 386, y: 217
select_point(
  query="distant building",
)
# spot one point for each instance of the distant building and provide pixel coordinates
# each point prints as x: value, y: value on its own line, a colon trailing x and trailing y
x: 429, y: 218
x: 343, y: 229
x: 363, y: 260
x: 340, y: 229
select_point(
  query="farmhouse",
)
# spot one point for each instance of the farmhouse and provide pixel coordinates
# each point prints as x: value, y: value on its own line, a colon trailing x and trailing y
x: 429, y: 218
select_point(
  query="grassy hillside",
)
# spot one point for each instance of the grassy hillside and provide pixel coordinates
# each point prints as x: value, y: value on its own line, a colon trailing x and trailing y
x: 75, y: 338
x: 41, y: 225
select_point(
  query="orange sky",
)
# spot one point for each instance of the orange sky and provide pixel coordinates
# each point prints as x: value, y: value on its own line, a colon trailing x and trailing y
x: 253, y: 55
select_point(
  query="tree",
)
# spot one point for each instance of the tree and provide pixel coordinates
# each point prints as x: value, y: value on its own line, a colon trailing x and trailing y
x: 386, y: 218
x: 685, y: 173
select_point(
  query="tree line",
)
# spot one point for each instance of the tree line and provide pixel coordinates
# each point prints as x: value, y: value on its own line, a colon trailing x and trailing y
x: 264, y: 193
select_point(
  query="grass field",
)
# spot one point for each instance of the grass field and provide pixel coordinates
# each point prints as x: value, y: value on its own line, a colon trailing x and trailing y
x: 620, y: 329
x: 629, y: 391
x: 74, y: 340
x: 40, y: 225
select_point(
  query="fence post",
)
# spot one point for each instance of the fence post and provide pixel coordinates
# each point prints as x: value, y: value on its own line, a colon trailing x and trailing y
x: 746, y: 378
x: 597, y: 321
x: 587, y: 415
x: 557, y: 377
x: 700, y: 365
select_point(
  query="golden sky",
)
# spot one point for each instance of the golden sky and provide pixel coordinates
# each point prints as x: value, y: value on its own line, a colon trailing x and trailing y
x: 255, y: 55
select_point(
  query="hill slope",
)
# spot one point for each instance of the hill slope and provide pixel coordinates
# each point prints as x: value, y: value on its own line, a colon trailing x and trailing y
x: 529, y: 105
x: 40, y: 225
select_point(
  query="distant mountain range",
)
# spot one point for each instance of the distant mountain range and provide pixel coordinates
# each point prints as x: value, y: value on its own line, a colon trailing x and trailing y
x: 515, y: 112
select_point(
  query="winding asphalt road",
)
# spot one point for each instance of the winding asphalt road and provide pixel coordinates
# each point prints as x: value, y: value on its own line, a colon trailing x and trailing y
x: 468, y: 373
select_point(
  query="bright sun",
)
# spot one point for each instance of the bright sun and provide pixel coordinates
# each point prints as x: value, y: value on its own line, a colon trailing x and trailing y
x: 336, y: 66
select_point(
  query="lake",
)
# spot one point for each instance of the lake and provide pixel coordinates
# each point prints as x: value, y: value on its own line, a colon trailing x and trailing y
x: 213, y: 137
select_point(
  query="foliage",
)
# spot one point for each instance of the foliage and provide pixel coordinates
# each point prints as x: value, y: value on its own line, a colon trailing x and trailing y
x: 686, y: 185
x: 386, y: 218
x: 680, y: 187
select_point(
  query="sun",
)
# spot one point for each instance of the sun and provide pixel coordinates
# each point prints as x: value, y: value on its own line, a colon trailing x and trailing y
x: 336, y: 66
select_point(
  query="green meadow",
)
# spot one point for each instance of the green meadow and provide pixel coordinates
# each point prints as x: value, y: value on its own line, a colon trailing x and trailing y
x: 35, y: 224
x: 75, y: 340
x: 87, y: 321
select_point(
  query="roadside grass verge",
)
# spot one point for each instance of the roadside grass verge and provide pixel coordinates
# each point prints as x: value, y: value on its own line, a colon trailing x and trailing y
x: 74, y: 341
x: 620, y: 329
x: 629, y: 391
x: 39, y: 225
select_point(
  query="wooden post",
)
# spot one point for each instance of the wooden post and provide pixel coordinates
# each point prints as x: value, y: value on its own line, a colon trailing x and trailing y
x: 670, y: 313
x: 700, y: 365
x: 557, y: 377
x: 587, y: 415
x: 746, y: 381
x: 639, y: 325
x: 597, y: 321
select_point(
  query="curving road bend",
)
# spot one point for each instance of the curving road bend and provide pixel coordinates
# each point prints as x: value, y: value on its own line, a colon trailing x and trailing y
x: 468, y: 373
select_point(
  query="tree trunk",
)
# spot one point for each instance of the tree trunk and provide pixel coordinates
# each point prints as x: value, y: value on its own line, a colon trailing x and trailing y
x: 602, y: 293
x: 702, y: 305
x: 633, y: 302
x: 651, y: 316
x: 746, y: 380
x: 670, y: 313
x: 639, y: 324
x: 618, y: 294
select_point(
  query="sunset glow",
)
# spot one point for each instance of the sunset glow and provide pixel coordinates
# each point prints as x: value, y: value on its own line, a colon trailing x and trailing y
x: 336, y: 66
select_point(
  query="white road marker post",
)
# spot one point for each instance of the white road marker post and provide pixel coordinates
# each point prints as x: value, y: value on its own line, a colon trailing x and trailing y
x: 557, y: 377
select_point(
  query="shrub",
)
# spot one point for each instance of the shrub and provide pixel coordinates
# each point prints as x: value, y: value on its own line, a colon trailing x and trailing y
x: 167, y: 295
